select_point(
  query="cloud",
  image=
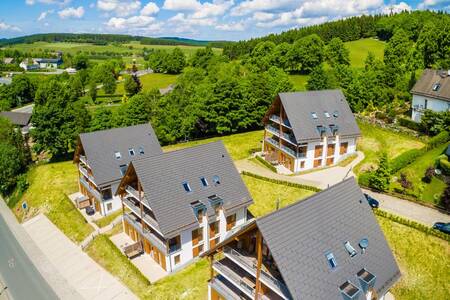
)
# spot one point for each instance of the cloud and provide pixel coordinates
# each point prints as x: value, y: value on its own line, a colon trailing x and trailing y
x: 234, y: 26
x: 181, y: 5
x: 182, y: 19
x: 135, y: 24
x: 395, y: 8
x: 121, y: 8
x: 336, y: 8
x: 59, y: 2
x: 250, y: 6
x: 262, y: 16
x: 44, y: 14
x: 71, y: 12
x: 200, y: 10
x: 150, y: 9
x: 8, y: 27
x: 432, y: 3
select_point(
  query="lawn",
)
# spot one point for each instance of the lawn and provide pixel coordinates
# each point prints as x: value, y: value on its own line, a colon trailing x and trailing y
x: 360, y: 48
x: 49, y: 186
x: 375, y: 139
x: 240, y: 146
x: 102, y: 222
x: 299, y: 82
x: 265, y: 195
x: 415, y: 172
x: 424, y: 261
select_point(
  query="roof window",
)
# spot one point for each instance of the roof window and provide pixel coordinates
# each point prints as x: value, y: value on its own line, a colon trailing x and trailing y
x: 141, y: 150
x: 117, y: 155
x: 436, y: 86
x: 351, y: 251
x: 366, y: 279
x: 349, y: 290
x: 327, y: 114
x: 204, y: 181
x: 131, y: 152
x: 314, y: 115
x: 331, y: 260
x: 335, y: 114
x: 216, y: 179
x: 186, y: 186
x: 322, y: 130
x: 123, y: 169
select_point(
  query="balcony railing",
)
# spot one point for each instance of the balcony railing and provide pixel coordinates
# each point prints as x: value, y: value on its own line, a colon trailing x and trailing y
x: 273, y: 142
x: 289, y: 137
x: 273, y: 130
x: 84, y: 160
x: 90, y: 189
x: 152, y: 238
x: 234, y: 278
x: 86, y: 174
x: 137, y: 210
x: 276, y: 119
x: 135, y: 194
x: 227, y: 290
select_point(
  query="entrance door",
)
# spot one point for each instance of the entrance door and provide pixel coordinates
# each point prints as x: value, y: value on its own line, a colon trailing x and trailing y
x: 97, y: 206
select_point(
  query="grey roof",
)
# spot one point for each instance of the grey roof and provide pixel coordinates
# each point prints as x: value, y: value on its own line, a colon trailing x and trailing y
x: 162, y: 177
x: 17, y: 118
x: 300, y: 235
x: 5, y: 80
x: 429, y: 77
x: 100, y: 148
x: 299, y: 106
x: 49, y: 60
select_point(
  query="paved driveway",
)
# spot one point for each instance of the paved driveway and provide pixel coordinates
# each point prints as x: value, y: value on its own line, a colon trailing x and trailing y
x: 83, y: 273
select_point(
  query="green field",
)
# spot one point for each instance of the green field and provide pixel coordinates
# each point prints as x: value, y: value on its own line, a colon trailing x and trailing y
x: 299, y: 82
x: 360, y: 48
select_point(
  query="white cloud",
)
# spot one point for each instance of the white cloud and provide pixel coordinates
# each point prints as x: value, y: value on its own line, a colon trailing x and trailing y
x: 249, y: 6
x: 182, y: 19
x: 336, y: 8
x: 121, y: 8
x: 200, y: 10
x: 150, y: 9
x: 395, y: 8
x: 59, y: 2
x: 135, y: 25
x: 8, y: 27
x: 71, y: 12
x: 432, y: 3
x: 235, y: 26
x: 44, y: 14
x: 183, y: 5
x: 262, y: 16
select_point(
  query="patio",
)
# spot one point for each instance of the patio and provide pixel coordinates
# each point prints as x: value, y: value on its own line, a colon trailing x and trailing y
x: 144, y: 262
x: 90, y: 219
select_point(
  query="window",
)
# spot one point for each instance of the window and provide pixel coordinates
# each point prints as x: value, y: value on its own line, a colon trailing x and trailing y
x: 351, y: 251
x: 175, y: 244
x: 426, y: 103
x: 106, y: 194
x: 331, y: 260
x: 197, y: 236
x: 231, y: 221
x: 177, y: 259
x: 123, y: 169
x: 117, y: 155
x: 335, y: 114
x: 131, y: 152
x: 204, y: 181
x: 213, y: 229
x: 216, y: 180
x: 108, y: 206
x: 327, y: 114
x: 186, y: 186
x: 314, y: 115
x: 349, y: 290
x: 436, y: 86
x: 141, y: 150
x: 200, y: 248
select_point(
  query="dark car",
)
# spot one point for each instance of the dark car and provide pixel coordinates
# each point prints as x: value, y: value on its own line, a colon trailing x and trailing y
x: 441, y: 226
x: 372, y: 202
x: 90, y: 211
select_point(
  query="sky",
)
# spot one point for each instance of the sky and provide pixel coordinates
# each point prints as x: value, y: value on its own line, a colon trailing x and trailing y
x: 203, y: 20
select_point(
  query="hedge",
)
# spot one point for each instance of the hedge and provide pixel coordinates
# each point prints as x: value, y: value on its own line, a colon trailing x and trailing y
x: 439, y: 139
x: 266, y: 163
x: 445, y: 166
x: 282, y: 182
x: 406, y: 158
x: 418, y: 226
x: 408, y: 123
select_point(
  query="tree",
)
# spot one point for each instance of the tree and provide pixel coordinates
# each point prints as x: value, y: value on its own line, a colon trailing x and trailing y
x: 280, y: 56
x: 307, y: 53
x: 381, y: 178
x: 102, y: 119
x: 176, y: 61
x: 109, y: 83
x: 80, y: 61
x: 202, y: 57
x: 93, y: 90
x: 10, y: 167
x: 336, y: 53
x: 319, y: 80
x: 427, y: 44
x: 395, y: 56
x: 22, y: 90
x: 262, y: 55
x: 132, y: 85
x: 445, y: 198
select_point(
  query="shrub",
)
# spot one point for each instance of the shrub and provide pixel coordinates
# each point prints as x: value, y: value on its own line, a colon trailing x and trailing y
x: 22, y: 183
x: 404, y: 182
x: 408, y: 123
x: 381, y: 178
x: 445, y: 198
x: 266, y: 163
x: 444, y: 164
x: 429, y: 173
x: 405, y: 159
x: 439, y: 139
x: 363, y: 179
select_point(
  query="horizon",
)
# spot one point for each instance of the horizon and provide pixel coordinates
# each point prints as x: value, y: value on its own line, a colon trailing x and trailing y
x: 213, y: 20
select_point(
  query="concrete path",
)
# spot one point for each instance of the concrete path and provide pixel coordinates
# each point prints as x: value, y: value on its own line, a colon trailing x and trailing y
x: 81, y: 272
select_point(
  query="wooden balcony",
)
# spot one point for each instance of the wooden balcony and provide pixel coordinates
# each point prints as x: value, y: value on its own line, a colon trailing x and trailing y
x: 133, y: 193
x: 90, y: 189
x: 84, y: 160
x: 135, y: 207
x: 276, y: 119
x: 147, y: 234
x: 285, y: 149
x: 226, y: 289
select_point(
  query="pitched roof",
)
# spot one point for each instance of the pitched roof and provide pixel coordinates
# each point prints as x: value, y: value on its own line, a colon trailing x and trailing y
x: 299, y: 107
x: 424, y: 86
x: 162, y: 179
x: 17, y: 118
x: 300, y: 235
x: 100, y: 147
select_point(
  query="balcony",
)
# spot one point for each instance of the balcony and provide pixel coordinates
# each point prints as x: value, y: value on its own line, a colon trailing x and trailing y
x: 276, y: 119
x: 273, y: 130
x: 248, y: 263
x: 151, y: 237
x: 86, y: 174
x: 236, y: 276
x: 90, y: 189
x: 226, y: 289
x: 289, y: 137
x: 135, y: 207
x: 84, y: 160
x: 133, y: 193
x: 285, y: 149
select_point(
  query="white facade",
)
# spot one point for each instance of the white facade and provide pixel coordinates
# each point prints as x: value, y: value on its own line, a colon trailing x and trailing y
x: 420, y: 103
x: 111, y: 205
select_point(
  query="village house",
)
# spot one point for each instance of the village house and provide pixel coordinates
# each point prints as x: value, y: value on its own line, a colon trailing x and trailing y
x: 305, y: 130
x: 20, y: 119
x: 41, y: 63
x: 328, y: 246
x: 181, y: 203
x: 431, y: 91
x: 102, y: 157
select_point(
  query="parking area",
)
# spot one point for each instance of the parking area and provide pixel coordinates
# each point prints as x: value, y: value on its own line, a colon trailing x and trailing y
x: 83, y: 274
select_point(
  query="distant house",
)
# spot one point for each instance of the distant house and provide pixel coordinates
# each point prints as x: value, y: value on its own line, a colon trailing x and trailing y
x: 328, y: 246
x: 29, y: 65
x: 181, y: 203
x: 8, y: 60
x: 49, y: 63
x: 305, y: 130
x: 431, y: 91
x: 19, y: 119
x: 5, y: 80
x: 103, y: 157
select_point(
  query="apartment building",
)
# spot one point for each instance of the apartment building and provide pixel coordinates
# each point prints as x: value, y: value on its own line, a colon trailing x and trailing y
x: 328, y: 246
x: 102, y: 157
x: 306, y: 130
x: 182, y: 203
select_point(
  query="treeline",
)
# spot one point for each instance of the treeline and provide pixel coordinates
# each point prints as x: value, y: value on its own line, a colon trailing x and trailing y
x: 351, y: 29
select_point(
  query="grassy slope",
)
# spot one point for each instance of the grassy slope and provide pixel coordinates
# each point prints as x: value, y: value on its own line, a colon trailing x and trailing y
x: 375, y: 139
x: 360, y: 48
x: 49, y: 186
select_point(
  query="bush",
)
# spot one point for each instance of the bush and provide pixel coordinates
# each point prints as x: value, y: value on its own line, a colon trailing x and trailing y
x: 429, y: 173
x: 266, y: 163
x: 441, y: 138
x: 408, y: 123
x: 444, y: 164
x: 404, y: 182
x: 445, y: 198
x: 22, y: 183
x: 363, y: 179
x: 405, y: 159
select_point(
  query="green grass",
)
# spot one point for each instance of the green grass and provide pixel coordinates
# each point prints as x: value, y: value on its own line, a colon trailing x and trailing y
x: 424, y: 262
x: 375, y: 139
x: 240, y: 145
x: 360, y: 48
x: 265, y: 195
x: 415, y: 172
x: 108, y: 219
x: 49, y: 186
x: 299, y: 82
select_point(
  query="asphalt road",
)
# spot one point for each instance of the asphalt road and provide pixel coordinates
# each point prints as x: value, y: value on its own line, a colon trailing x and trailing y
x: 18, y: 273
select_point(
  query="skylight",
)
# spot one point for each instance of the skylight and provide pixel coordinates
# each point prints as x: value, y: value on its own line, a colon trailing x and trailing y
x: 335, y: 114
x: 436, y: 86
x: 117, y: 155
x: 216, y: 179
x: 204, y: 181
x: 351, y: 251
x: 327, y: 114
x: 186, y: 186
x: 331, y: 260
x: 314, y: 115
x: 141, y: 150
x: 131, y: 152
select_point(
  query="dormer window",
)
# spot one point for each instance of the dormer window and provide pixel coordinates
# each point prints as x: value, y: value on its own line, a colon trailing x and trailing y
x: 327, y: 114
x: 314, y: 115
x: 349, y: 290
x: 117, y: 155
x: 334, y: 129
x: 204, y: 181
x: 199, y: 210
x: 366, y: 279
x: 123, y: 169
x: 216, y: 180
x: 436, y: 86
x: 322, y: 130
x: 141, y: 150
x: 131, y: 152
x: 335, y: 114
x: 351, y: 251
x: 331, y: 260
x: 186, y: 186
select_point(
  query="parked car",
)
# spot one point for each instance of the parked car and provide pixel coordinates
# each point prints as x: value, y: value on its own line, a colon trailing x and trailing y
x: 441, y: 226
x: 90, y: 211
x: 372, y: 202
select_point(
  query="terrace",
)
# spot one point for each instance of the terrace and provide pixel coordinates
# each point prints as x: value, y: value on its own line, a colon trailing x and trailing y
x: 148, y: 234
x: 90, y: 189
